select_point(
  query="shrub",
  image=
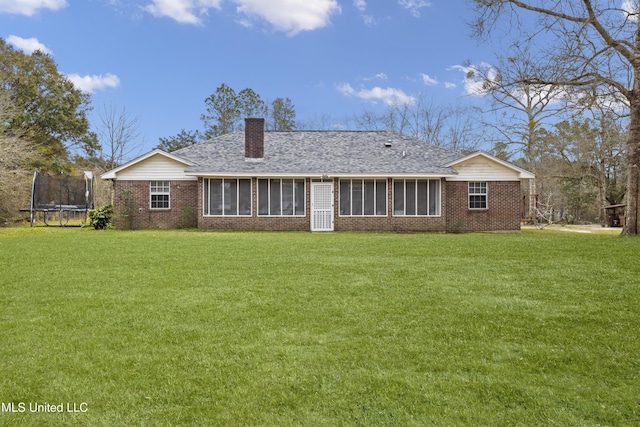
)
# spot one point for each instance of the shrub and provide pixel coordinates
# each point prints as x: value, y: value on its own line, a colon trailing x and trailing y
x: 189, y: 219
x: 100, y: 218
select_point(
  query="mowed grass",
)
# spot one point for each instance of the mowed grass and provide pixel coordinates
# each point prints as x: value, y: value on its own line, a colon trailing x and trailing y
x: 297, y: 329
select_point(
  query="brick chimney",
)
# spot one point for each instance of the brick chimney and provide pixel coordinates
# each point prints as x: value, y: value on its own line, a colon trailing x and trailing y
x: 253, y: 139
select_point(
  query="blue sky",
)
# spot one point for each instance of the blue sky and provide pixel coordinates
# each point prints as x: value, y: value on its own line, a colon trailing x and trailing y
x: 160, y: 59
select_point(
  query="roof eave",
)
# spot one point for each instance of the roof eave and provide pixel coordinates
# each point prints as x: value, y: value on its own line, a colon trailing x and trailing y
x: 319, y: 175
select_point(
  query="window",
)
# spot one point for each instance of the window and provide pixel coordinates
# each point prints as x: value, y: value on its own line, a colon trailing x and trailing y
x: 477, y: 195
x: 363, y: 197
x: 227, y: 197
x: 159, y: 194
x: 279, y: 197
x: 416, y: 197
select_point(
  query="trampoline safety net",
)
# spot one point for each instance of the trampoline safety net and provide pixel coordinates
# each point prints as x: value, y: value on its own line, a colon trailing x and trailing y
x: 68, y: 196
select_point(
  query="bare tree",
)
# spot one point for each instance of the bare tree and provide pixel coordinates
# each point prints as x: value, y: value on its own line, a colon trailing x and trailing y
x: 610, y: 115
x: 321, y: 122
x: 118, y: 136
x: 463, y: 133
x: 451, y: 127
x: 585, y: 43
x: 423, y: 120
x: 15, y: 174
x: 609, y: 158
x: 519, y: 109
x: 368, y: 120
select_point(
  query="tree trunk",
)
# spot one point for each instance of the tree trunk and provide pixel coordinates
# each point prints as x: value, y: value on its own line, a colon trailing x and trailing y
x: 633, y: 170
x: 602, y: 196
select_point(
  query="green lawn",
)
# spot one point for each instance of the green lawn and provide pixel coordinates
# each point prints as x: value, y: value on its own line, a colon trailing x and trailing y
x: 298, y: 329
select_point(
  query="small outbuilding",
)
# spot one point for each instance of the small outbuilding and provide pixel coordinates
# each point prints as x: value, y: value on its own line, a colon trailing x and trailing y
x: 615, y: 215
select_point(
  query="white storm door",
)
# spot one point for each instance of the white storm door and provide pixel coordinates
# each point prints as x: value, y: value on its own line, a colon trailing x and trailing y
x: 322, y: 206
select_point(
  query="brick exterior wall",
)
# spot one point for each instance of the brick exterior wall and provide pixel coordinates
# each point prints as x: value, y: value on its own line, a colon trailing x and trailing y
x: 504, y: 200
x: 132, y: 206
x: 254, y: 138
x: 503, y: 213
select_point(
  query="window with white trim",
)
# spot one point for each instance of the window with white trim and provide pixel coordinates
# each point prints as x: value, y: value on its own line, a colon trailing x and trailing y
x: 159, y: 192
x: 416, y: 197
x: 226, y: 197
x: 363, y: 197
x: 281, y: 197
x: 477, y: 195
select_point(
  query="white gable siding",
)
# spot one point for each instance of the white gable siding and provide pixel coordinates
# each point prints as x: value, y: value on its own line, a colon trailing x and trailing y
x: 483, y: 169
x: 156, y: 167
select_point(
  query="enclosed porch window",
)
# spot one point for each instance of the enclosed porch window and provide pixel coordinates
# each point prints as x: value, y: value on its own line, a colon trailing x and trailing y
x: 416, y: 197
x: 363, y: 197
x: 281, y: 197
x: 226, y: 197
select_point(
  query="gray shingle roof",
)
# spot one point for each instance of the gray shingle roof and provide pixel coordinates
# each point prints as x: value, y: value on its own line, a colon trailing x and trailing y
x: 321, y: 153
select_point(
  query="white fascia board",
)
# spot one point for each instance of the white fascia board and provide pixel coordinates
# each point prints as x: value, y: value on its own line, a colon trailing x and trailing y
x: 113, y: 172
x: 395, y: 175
x: 524, y: 174
x: 314, y: 175
x: 250, y: 175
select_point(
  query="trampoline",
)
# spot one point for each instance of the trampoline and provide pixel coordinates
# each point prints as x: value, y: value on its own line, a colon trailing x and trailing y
x: 62, y: 200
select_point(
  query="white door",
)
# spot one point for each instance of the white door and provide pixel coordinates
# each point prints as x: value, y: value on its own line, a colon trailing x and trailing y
x: 322, y: 206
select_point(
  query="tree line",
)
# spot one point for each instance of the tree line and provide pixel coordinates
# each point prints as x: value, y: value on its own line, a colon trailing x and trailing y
x: 43, y: 118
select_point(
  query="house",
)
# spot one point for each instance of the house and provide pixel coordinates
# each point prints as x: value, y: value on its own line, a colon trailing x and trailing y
x: 318, y: 181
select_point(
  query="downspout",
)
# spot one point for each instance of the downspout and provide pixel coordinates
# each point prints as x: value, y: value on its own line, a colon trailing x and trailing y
x: 113, y: 192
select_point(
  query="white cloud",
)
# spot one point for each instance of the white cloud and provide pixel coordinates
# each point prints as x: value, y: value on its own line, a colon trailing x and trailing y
x: 291, y: 16
x: 450, y: 85
x: 29, y: 45
x: 91, y: 83
x: 30, y: 7
x: 379, y: 76
x: 368, y: 19
x: 630, y: 9
x: 346, y: 89
x: 429, y: 81
x: 390, y: 96
x: 414, y: 6
x: 361, y: 5
x: 476, y: 76
x: 182, y: 11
